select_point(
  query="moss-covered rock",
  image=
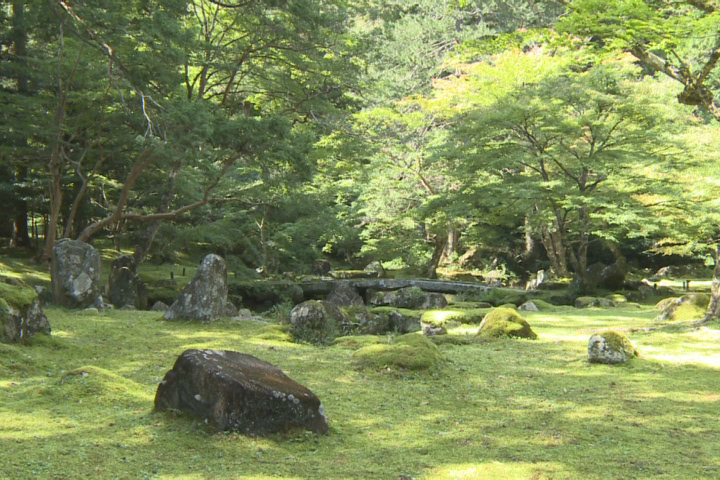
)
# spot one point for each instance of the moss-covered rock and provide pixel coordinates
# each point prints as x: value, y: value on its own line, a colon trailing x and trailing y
x: 692, y: 306
x: 610, y: 347
x: 587, y: 302
x: 355, y: 342
x: 617, y: 298
x: 448, y: 316
x: 401, y: 320
x: 408, y: 297
x: 505, y: 322
x: 316, y: 322
x: 21, y: 315
x: 408, y: 352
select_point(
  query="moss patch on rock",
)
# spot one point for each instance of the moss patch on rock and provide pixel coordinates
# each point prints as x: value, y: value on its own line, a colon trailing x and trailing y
x: 505, y: 322
x: 17, y: 294
x: 407, y: 352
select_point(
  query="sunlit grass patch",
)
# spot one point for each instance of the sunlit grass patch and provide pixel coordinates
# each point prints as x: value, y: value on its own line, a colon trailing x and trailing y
x: 501, y: 409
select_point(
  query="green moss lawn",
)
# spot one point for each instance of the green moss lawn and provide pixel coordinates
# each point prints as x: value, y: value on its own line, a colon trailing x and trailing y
x: 79, y: 405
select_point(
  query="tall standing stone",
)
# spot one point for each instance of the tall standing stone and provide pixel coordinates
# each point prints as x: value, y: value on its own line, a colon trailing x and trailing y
x: 75, y: 272
x: 205, y: 296
x: 125, y: 288
x: 21, y: 315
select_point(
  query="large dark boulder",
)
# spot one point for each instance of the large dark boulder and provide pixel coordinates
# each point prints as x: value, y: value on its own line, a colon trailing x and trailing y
x: 21, y: 315
x: 238, y: 392
x: 75, y: 272
x: 125, y: 288
x: 205, y: 296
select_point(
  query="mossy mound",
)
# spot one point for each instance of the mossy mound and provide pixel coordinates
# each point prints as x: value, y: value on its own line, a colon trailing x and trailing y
x: 355, y: 342
x: 407, y: 352
x: 503, y: 296
x: 443, y: 317
x: 455, y: 339
x: 274, y: 333
x: 505, y: 322
x: 617, y: 298
x: 103, y: 387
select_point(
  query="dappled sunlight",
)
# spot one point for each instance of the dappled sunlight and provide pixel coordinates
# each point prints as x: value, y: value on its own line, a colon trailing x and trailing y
x: 480, y: 470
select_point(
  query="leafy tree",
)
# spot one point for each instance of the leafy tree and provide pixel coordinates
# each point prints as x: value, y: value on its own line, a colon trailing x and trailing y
x: 675, y: 39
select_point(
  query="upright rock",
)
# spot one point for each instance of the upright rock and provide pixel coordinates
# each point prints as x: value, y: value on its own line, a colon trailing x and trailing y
x: 205, y: 296
x: 238, y: 392
x: 20, y: 313
x: 125, y: 288
x: 75, y: 272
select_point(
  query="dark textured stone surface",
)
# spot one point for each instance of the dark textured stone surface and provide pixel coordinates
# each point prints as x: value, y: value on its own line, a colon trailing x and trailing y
x: 344, y: 294
x: 125, y: 288
x: 21, y: 315
x: 75, y: 272
x: 317, y: 322
x: 238, y: 392
x: 205, y: 296
x: 410, y: 297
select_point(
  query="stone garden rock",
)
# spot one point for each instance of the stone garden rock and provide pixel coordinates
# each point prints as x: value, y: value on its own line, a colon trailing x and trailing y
x: 505, y: 322
x: 204, y: 298
x: 691, y: 306
x: 409, y: 297
x: 230, y: 309
x: 610, y: 347
x: 232, y: 391
x: 317, y: 322
x: 322, y: 268
x: 159, y: 306
x: 344, y: 294
x: 125, y: 288
x: 75, y: 272
x: 376, y: 267
x: 528, y: 306
x: 21, y: 315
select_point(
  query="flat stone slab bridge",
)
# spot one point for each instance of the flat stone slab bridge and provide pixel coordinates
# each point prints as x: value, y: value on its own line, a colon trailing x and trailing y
x: 323, y: 287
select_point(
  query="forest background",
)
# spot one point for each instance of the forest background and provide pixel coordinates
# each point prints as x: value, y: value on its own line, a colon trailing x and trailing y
x: 498, y: 138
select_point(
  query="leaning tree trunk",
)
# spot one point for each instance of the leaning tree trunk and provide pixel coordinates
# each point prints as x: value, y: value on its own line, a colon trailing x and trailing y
x: 713, y: 311
x: 440, y: 244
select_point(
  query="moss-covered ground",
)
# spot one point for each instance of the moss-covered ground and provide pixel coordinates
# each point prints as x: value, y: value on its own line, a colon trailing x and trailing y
x: 79, y: 405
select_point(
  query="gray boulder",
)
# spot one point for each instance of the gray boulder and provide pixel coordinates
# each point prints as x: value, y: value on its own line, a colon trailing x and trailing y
x: 409, y: 297
x: 125, y: 288
x: 376, y: 267
x: 344, y: 294
x: 404, y: 323
x: 610, y: 347
x: 21, y: 315
x: 528, y: 306
x: 75, y: 272
x: 232, y: 391
x: 205, y: 296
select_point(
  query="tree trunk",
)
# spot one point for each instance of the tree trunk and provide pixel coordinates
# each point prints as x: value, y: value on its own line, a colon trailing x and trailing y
x: 713, y: 311
x: 20, y: 237
x: 451, y: 245
x: 440, y: 245
x: 552, y: 240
